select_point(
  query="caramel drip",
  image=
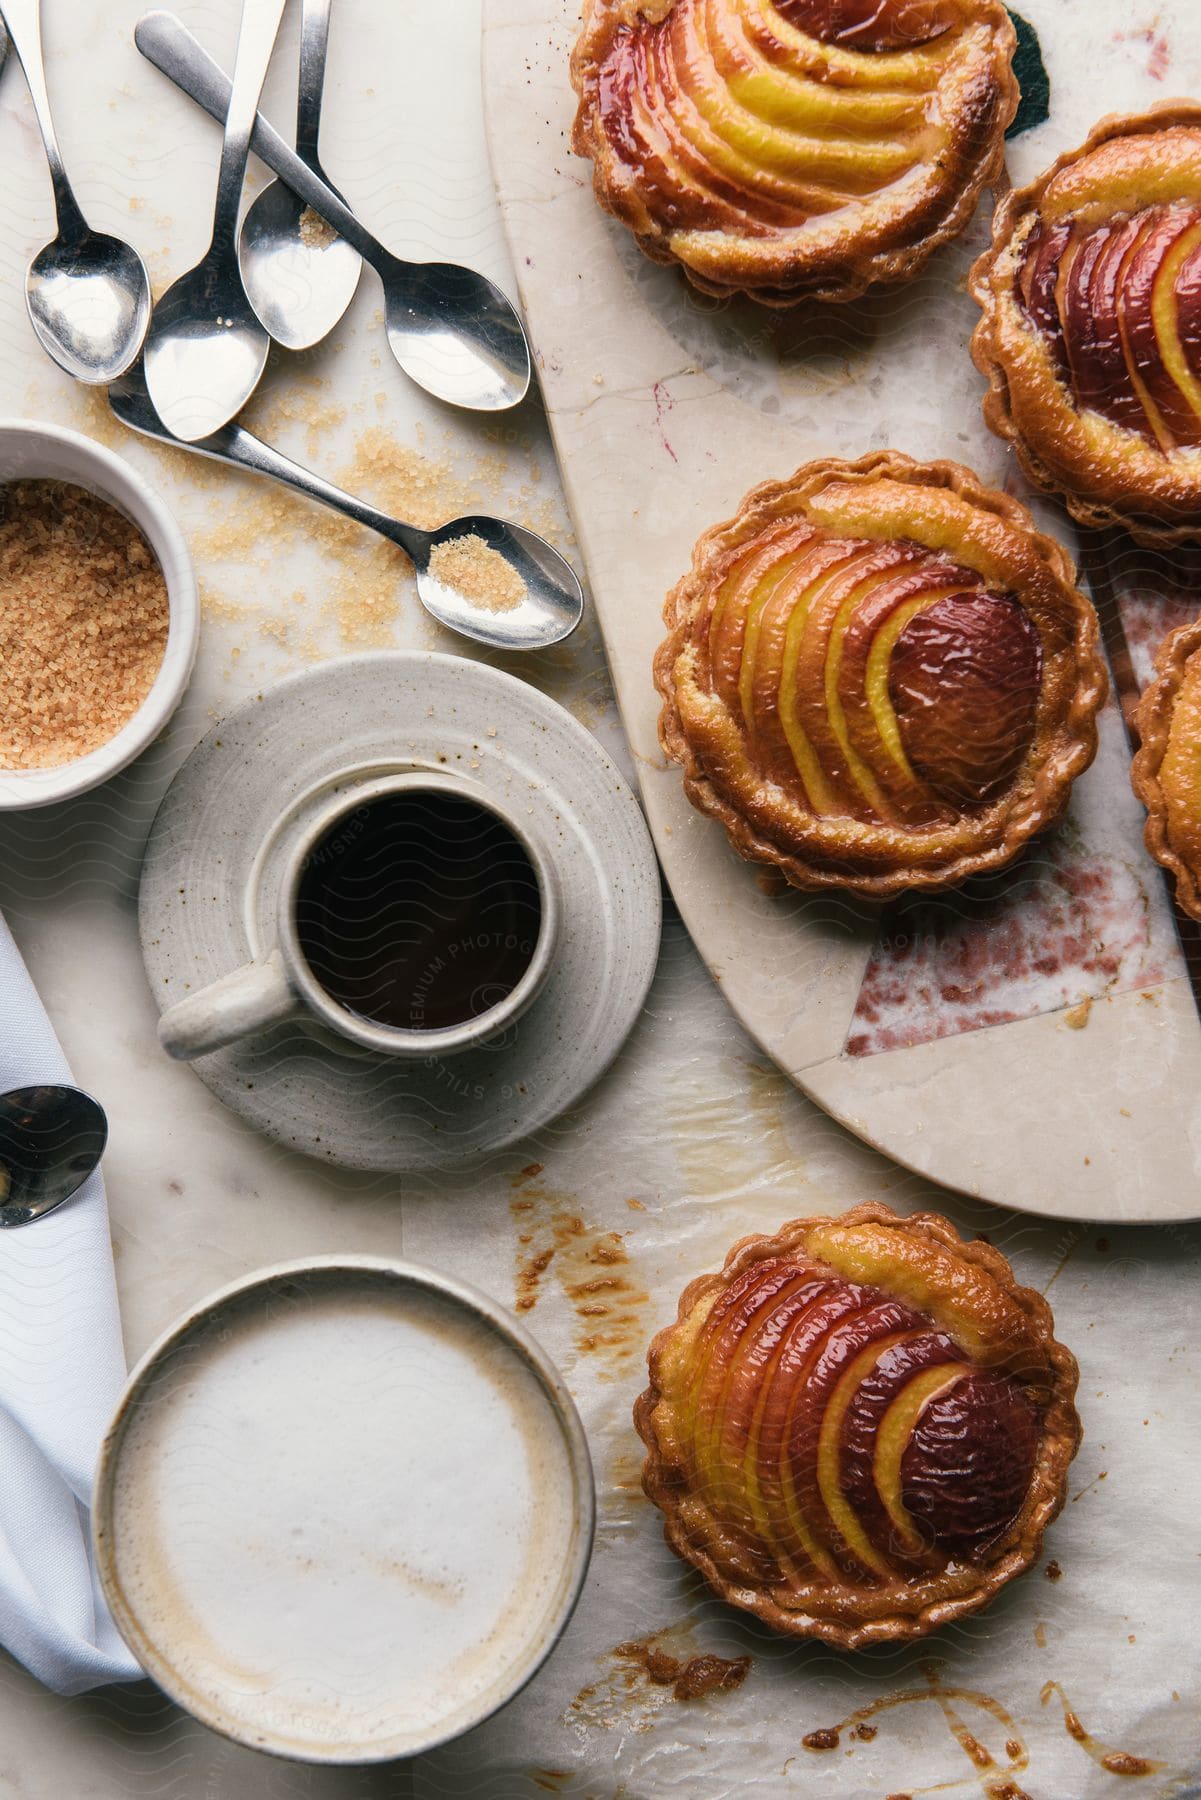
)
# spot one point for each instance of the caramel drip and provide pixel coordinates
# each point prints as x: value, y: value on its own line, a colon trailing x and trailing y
x: 1114, y: 1762
x: 951, y: 1702
x: 1119, y: 305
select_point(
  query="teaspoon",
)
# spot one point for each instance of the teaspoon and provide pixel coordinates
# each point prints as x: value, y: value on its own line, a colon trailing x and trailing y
x: 299, y: 275
x: 51, y: 1138
x: 452, y: 331
x: 88, y: 294
x: 205, y: 349
x: 553, y: 601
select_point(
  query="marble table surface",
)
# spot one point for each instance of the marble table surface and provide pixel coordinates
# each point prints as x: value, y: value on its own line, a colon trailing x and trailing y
x: 691, y: 1140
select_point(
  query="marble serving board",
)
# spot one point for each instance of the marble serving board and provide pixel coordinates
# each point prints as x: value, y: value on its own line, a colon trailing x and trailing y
x: 1031, y: 1039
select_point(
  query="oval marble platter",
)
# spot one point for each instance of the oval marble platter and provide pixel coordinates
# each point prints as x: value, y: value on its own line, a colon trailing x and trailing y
x: 221, y: 839
x: 1033, y: 1041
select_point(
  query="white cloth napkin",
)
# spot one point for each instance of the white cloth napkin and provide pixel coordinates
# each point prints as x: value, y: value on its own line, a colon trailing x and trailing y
x: 62, y: 1367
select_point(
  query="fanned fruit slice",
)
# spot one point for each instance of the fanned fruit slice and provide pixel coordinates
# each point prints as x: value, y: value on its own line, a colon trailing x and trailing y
x: 806, y: 148
x: 1091, y: 335
x: 861, y: 1428
x: 880, y: 676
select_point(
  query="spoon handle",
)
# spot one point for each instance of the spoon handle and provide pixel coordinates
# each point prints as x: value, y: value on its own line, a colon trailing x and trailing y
x: 170, y: 46
x: 131, y: 403
x: 314, y: 43
x: 241, y: 446
x: 256, y: 40
x: 23, y: 19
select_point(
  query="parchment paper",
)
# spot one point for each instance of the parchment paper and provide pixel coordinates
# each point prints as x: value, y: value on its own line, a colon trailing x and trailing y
x: 692, y: 1123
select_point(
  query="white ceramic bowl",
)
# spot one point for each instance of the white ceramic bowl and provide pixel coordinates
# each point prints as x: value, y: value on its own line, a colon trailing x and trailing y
x: 29, y: 452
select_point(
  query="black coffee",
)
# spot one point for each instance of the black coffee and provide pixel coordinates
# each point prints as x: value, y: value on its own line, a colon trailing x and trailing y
x: 419, y: 910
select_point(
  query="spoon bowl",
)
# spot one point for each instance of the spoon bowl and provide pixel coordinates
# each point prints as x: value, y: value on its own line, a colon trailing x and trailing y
x: 299, y: 275
x: 455, y: 334
x: 206, y: 351
x: 549, y: 610
x: 89, y: 304
x: 51, y: 1138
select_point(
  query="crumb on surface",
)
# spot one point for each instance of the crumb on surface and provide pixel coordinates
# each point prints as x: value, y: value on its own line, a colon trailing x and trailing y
x: 84, y: 617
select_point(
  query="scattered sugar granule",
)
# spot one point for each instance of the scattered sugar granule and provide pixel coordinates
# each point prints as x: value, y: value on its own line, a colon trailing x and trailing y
x: 478, y: 572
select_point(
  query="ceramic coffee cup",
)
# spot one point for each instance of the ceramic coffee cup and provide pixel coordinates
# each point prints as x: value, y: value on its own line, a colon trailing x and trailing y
x: 344, y: 1511
x: 417, y: 917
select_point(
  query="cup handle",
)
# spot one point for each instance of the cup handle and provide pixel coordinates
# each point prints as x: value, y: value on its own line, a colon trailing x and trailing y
x: 247, y: 1000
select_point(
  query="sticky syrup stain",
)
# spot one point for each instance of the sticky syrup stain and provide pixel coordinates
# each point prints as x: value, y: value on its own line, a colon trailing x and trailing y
x: 994, y: 1772
x: 731, y: 1138
x: 592, y: 1268
x: 1114, y: 1762
x: 649, y: 1673
x: 690, y: 1678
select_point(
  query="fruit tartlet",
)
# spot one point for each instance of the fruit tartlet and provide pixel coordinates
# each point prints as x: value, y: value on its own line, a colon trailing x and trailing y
x: 1091, y: 334
x: 860, y: 1429
x: 802, y: 149
x: 879, y: 676
x: 1167, y: 768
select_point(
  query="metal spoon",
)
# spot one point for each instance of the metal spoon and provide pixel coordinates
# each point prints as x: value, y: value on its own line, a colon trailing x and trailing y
x: 299, y: 276
x: 452, y: 331
x: 553, y: 603
x: 51, y: 1138
x: 88, y: 294
x: 206, y: 350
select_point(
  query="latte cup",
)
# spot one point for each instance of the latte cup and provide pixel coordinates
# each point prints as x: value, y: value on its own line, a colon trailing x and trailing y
x: 478, y: 934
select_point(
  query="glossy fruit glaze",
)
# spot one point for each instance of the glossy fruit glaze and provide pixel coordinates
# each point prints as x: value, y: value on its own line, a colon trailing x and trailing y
x: 838, y: 1429
x: 731, y: 116
x: 874, y: 679
x: 1119, y: 304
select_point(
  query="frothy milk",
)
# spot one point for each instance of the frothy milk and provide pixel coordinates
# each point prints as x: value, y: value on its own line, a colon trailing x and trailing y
x: 343, y: 1515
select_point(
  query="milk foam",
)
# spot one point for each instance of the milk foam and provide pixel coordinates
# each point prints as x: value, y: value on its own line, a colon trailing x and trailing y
x: 340, y: 1518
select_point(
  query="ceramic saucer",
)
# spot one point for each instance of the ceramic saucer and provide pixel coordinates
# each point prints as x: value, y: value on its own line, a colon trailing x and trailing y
x: 221, y: 838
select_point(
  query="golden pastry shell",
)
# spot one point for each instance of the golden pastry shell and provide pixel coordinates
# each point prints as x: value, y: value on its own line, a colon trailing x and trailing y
x: 1094, y: 508
x: 1153, y: 721
x: 859, y: 267
x: 1059, y: 1440
x: 1061, y: 762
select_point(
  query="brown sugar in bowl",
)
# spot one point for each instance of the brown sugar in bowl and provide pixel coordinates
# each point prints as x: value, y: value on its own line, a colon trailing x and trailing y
x: 33, y: 452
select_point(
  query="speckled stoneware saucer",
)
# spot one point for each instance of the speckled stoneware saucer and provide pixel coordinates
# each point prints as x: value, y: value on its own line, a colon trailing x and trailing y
x: 211, y: 878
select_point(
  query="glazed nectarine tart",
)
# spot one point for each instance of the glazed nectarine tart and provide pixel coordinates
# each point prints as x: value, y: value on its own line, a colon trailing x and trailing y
x: 1167, y: 769
x: 880, y: 676
x: 801, y: 148
x: 1091, y: 335
x: 861, y: 1428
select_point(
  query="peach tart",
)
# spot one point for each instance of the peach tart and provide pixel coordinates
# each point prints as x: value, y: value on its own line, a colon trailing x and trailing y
x: 795, y: 149
x: 1167, y: 769
x: 1091, y: 334
x: 879, y: 676
x: 860, y: 1429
